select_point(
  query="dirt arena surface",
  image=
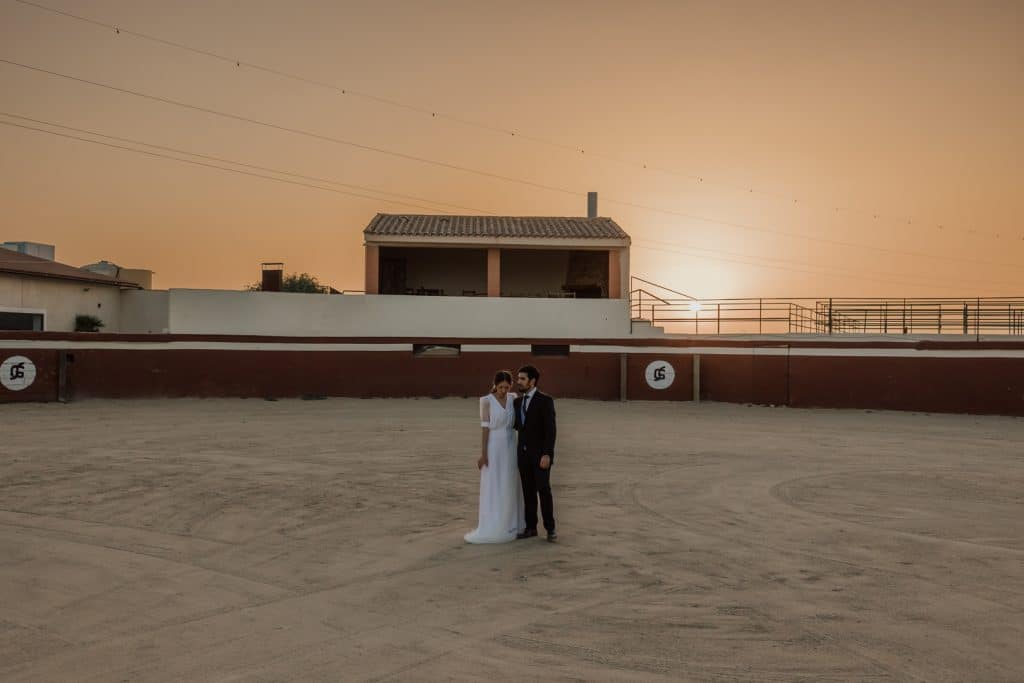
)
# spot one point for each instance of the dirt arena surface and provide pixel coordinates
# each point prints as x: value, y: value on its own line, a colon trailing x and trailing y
x: 248, y: 540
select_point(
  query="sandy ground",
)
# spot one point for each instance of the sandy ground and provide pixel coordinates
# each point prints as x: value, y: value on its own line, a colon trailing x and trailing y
x: 322, y: 540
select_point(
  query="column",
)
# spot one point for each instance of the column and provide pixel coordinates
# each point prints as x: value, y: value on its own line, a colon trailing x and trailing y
x: 494, y: 272
x: 614, y: 274
x: 372, y: 269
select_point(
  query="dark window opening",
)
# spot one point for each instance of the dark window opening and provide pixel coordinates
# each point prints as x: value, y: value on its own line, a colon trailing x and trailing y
x: 392, y: 276
x: 433, y: 271
x: 555, y: 273
x: 436, y: 350
x: 30, y: 322
x: 550, y: 350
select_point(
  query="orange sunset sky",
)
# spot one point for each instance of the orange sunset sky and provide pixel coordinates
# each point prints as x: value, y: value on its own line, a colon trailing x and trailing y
x: 791, y: 148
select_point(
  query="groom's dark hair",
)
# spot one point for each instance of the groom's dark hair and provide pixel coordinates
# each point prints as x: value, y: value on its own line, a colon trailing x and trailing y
x: 531, y: 372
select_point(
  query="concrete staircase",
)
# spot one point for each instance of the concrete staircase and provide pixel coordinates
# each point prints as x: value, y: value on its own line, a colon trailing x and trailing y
x: 646, y: 329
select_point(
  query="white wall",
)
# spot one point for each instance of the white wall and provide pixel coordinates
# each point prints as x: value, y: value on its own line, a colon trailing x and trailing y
x: 311, y: 315
x: 61, y: 300
x: 144, y: 312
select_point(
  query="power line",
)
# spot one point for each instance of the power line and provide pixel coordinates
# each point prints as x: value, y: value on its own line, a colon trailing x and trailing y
x: 208, y: 157
x: 748, y: 262
x: 775, y: 267
x: 828, y: 270
x: 796, y: 235
x: 760, y: 261
x: 488, y: 174
x: 493, y: 128
x: 286, y: 129
x: 219, y: 168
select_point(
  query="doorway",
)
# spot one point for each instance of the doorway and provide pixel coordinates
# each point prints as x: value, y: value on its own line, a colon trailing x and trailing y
x: 392, y: 276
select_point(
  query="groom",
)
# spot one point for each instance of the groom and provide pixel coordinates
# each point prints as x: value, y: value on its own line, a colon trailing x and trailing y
x: 535, y: 422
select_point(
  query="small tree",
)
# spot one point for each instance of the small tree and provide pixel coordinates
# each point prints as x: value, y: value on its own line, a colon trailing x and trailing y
x: 303, y: 283
x: 87, y: 323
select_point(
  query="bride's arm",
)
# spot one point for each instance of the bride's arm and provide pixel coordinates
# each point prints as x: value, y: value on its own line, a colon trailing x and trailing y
x: 485, y: 422
x: 482, y: 460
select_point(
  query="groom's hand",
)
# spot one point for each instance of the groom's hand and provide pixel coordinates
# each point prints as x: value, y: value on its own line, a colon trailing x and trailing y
x: 545, y: 462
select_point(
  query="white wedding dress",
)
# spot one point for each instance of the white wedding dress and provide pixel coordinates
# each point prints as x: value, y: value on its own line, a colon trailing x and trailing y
x: 501, y: 493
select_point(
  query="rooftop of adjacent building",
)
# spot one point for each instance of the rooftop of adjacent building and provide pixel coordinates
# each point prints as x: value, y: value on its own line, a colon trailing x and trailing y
x: 15, y: 263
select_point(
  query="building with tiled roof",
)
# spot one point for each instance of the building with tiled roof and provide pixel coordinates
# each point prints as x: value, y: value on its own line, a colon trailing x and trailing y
x: 42, y: 295
x: 497, y: 227
x: 14, y: 263
x: 506, y: 256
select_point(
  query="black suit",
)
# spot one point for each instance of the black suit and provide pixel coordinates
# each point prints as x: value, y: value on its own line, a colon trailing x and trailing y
x: 536, y: 438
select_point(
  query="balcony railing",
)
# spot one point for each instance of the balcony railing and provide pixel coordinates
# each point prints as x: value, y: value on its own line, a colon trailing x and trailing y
x: 978, y: 316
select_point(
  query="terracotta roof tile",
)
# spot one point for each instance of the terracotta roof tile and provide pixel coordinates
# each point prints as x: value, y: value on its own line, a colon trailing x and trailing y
x: 412, y: 225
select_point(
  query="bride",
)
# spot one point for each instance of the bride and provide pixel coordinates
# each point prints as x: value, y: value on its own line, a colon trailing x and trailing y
x: 501, y: 494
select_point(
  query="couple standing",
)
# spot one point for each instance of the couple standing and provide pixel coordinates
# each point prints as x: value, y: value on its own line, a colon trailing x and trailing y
x: 518, y: 451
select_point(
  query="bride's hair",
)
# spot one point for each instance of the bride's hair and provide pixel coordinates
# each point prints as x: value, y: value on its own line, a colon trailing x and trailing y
x: 499, y: 377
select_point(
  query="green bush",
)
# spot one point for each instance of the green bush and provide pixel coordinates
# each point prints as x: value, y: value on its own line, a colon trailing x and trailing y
x: 304, y: 283
x: 87, y: 323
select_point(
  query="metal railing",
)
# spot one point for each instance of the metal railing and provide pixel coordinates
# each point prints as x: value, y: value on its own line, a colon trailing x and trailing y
x: 993, y: 315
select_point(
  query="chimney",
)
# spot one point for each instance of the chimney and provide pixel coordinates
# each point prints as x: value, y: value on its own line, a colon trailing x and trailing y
x: 591, y: 205
x: 273, y: 277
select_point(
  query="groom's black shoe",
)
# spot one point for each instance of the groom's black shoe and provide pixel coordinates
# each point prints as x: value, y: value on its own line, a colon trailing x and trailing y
x: 552, y: 537
x: 529, y: 533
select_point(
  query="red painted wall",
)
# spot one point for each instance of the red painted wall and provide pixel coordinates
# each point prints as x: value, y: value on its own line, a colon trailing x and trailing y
x: 949, y: 384
x: 745, y: 378
x: 963, y: 385
x: 44, y: 388
x: 636, y: 383
x: 363, y: 374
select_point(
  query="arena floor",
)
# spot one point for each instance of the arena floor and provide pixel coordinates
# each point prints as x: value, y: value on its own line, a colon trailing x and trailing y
x: 250, y: 540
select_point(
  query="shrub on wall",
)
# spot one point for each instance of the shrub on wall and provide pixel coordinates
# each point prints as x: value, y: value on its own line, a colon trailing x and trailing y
x: 87, y: 323
x: 303, y: 283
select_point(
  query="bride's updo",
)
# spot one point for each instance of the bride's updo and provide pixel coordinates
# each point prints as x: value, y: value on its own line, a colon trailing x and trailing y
x: 499, y: 377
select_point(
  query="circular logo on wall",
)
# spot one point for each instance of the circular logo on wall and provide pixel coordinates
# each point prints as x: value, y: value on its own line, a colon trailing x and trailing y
x: 17, y: 373
x: 660, y: 375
